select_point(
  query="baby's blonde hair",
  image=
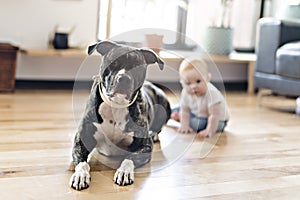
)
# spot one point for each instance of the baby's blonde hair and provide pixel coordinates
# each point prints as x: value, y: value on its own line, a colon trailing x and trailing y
x: 196, y: 64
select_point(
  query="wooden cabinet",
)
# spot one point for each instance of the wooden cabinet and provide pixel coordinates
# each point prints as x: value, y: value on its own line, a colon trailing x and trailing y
x: 8, y: 57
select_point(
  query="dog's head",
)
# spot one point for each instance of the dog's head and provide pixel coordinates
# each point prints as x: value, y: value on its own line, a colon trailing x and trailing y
x: 123, y: 70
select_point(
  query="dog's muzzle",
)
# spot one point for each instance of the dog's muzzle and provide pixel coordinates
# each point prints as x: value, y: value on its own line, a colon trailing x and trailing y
x: 123, y: 85
x: 117, y: 100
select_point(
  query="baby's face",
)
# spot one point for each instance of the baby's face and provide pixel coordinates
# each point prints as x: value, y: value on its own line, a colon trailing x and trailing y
x: 194, y: 83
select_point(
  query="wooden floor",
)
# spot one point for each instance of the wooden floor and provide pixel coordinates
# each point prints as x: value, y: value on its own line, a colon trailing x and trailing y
x: 257, y: 157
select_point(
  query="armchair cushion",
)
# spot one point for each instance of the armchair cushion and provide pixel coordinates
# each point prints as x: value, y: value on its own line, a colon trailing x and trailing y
x: 288, y: 60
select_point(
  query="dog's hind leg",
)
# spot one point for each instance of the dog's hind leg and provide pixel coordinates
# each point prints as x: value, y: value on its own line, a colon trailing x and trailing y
x: 154, y: 136
x: 161, y: 116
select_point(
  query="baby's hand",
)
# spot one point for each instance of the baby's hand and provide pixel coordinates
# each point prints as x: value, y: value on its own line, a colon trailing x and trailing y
x: 202, y: 134
x: 185, y: 129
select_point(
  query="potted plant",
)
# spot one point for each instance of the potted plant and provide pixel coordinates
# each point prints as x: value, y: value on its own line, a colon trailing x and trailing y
x: 219, y: 35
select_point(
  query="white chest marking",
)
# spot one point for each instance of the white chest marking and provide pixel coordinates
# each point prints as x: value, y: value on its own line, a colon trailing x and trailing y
x: 110, y: 135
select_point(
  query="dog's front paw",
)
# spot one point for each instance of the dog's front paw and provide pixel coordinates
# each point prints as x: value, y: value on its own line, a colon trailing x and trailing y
x: 81, y: 178
x: 125, y: 174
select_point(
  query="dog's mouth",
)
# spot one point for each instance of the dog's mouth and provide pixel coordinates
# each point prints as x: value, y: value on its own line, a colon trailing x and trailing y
x: 117, y: 99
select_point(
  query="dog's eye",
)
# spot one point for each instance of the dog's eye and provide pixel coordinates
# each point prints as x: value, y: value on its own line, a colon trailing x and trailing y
x: 114, y: 64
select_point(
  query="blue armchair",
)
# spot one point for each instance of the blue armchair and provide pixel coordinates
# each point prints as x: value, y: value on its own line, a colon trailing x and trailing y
x: 278, y: 56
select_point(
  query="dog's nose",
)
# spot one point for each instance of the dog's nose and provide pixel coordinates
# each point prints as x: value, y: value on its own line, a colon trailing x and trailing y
x: 123, y: 80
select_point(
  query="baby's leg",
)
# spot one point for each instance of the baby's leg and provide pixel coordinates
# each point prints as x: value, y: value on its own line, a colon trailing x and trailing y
x: 221, y: 126
x: 200, y: 123
x: 197, y: 123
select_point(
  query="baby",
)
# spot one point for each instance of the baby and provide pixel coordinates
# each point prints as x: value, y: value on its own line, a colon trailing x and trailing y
x: 203, y: 108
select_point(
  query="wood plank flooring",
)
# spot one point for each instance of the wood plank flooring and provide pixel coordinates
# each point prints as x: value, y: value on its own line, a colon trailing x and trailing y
x: 257, y: 157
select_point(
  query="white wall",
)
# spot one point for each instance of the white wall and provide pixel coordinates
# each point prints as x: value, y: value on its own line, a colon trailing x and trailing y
x: 29, y: 23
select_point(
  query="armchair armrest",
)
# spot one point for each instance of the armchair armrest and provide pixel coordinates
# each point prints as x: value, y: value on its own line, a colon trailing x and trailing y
x: 271, y: 34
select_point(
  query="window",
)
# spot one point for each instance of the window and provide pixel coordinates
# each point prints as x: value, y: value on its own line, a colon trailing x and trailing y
x: 181, y: 22
x: 165, y: 17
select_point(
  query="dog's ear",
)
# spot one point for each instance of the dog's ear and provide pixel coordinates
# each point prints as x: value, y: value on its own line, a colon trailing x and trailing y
x: 152, y: 58
x: 102, y: 47
x: 92, y: 48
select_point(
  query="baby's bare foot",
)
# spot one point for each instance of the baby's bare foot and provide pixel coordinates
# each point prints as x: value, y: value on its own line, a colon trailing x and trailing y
x: 175, y: 116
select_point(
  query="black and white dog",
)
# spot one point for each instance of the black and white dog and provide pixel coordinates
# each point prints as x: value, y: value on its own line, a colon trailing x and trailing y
x: 122, y: 114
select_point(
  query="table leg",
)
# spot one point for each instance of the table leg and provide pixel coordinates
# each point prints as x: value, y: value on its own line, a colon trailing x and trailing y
x: 251, y: 67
